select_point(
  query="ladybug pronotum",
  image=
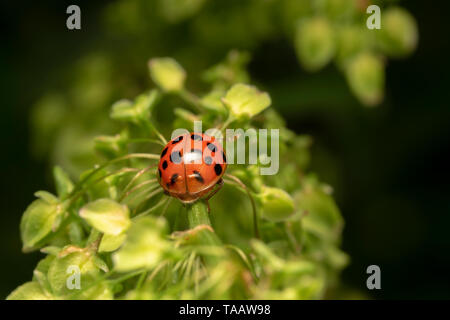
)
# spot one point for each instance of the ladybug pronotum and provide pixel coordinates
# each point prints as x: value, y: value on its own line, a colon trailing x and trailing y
x: 190, y: 166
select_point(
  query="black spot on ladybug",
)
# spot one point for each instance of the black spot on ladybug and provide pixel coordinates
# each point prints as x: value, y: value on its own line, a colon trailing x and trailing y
x: 196, y: 137
x: 167, y: 185
x: 173, y: 178
x: 159, y: 173
x: 224, y: 157
x: 176, y: 140
x: 164, y: 152
x: 211, y: 147
x: 208, y: 160
x: 198, y: 176
x: 175, y: 157
x: 218, y: 169
x: 164, y: 165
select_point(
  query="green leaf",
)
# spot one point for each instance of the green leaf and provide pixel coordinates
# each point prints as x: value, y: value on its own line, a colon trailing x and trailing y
x: 264, y: 253
x: 111, y: 243
x: 365, y: 75
x: 212, y: 101
x: 38, y: 220
x: 107, y: 216
x: 167, y: 74
x: 65, y: 268
x: 277, y: 204
x: 314, y: 43
x: 46, y: 196
x: 99, y: 189
x: 145, y: 246
x: 100, y: 291
x: 29, y: 291
x: 112, y: 146
x: 321, y: 214
x: 123, y: 110
x: 62, y: 181
x: 99, y: 263
x: 228, y: 72
x: 246, y: 101
x: 40, y: 273
x: 51, y: 250
x: 137, y: 111
x: 185, y: 115
x: 76, y: 233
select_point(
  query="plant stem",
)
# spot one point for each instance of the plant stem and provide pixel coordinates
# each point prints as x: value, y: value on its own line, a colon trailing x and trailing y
x: 148, y: 125
x: 252, y: 201
x: 140, y: 173
x: 227, y: 122
x: 141, y: 280
x: 127, y: 276
x: 145, y: 140
x: 198, y: 217
x: 198, y: 214
x: 161, y: 202
x: 191, y: 99
x: 74, y: 192
x: 83, y: 190
x: 94, y: 240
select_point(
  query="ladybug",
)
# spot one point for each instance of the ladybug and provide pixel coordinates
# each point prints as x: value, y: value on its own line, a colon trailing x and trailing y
x: 190, y: 166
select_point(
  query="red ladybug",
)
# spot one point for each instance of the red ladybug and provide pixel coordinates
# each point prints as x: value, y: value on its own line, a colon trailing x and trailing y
x: 191, y: 165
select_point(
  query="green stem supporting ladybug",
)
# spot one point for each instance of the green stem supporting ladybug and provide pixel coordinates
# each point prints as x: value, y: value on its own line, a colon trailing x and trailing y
x: 202, y: 232
x: 198, y: 216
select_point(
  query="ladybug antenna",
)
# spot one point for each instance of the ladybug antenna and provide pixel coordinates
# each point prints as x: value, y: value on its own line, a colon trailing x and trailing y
x: 252, y: 200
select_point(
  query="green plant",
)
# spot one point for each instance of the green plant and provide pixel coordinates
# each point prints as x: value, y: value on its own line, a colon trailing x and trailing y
x: 321, y: 33
x: 130, y: 241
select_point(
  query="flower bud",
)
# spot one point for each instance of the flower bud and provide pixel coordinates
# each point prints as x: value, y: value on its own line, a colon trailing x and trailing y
x: 146, y: 245
x: 212, y: 101
x: 29, y: 291
x: 277, y: 204
x: 351, y: 41
x: 137, y: 110
x: 62, y: 181
x: 106, y: 216
x: 246, y: 101
x: 79, y: 261
x: 398, y: 35
x: 314, y: 43
x: 111, y: 243
x: 39, y: 219
x: 167, y: 74
x: 365, y: 75
x: 111, y: 146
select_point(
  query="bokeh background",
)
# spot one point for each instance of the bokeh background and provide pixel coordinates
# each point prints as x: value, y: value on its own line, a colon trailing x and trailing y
x: 388, y: 164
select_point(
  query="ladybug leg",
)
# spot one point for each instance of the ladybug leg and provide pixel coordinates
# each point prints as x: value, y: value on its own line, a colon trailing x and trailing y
x: 207, y: 204
x: 252, y: 201
x: 214, y: 191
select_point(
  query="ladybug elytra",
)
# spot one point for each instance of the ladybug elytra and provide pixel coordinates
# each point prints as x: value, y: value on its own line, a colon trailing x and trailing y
x: 191, y: 165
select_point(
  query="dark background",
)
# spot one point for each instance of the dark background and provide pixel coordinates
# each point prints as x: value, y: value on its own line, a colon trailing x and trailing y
x: 388, y: 165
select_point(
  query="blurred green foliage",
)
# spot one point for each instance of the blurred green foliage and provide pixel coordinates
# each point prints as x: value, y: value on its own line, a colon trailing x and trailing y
x: 299, y: 254
x: 198, y: 34
x: 128, y: 240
